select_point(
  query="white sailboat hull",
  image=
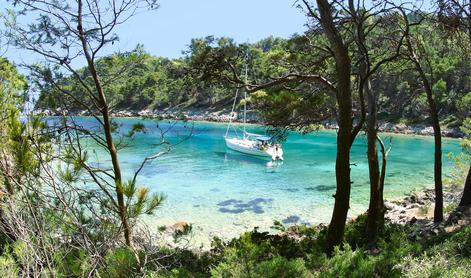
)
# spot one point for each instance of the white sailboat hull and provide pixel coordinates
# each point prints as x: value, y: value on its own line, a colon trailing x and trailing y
x: 259, y: 145
x: 250, y: 147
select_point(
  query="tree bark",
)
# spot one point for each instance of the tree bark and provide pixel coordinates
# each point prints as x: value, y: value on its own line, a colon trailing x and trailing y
x: 438, y: 211
x: 437, y: 173
x: 466, y: 198
x: 344, y: 136
x: 384, y: 160
x: 104, y: 109
x: 376, y: 203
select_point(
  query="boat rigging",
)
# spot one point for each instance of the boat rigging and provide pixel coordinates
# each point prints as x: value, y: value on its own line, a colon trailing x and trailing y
x: 251, y: 143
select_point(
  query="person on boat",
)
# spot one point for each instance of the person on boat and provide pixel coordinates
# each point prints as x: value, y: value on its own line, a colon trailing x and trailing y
x: 278, y: 152
x: 263, y: 145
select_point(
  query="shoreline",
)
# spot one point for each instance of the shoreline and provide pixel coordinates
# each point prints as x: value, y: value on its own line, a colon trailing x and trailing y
x: 223, y: 117
x: 414, y: 208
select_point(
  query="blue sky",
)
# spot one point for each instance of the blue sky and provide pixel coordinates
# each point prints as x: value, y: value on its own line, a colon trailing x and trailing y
x: 168, y: 30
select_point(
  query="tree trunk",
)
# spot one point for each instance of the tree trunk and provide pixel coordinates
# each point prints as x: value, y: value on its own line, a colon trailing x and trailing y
x: 104, y: 109
x: 437, y: 173
x: 375, y: 206
x: 384, y: 160
x: 466, y: 198
x: 438, y: 211
x: 344, y: 136
x: 342, y: 175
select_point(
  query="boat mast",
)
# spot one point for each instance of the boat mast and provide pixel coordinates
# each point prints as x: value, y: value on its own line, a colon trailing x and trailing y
x: 245, y: 91
x: 232, y: 113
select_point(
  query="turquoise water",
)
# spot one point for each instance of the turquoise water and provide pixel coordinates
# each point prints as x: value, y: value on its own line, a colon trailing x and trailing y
x: 223, y: 193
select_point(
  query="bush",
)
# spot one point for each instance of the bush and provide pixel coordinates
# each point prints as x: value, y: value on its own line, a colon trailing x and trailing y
x: 74, y: 263
x: 8, y: 266
x: 446, y: 256
x: 347, y: 263
x: 120, y: 262
x: 257, y: 254
x: 236, y: 266
x: 354, y: 260
x: 183, y: 261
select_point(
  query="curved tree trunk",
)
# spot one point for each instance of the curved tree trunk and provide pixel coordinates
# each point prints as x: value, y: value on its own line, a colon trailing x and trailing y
x: 344, y: 136
x: 438, y: 212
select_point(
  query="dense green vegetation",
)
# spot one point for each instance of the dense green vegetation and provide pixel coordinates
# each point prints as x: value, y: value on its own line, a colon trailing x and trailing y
x: 297, y: 253
x: 155, y: 83
x: 353, y: 64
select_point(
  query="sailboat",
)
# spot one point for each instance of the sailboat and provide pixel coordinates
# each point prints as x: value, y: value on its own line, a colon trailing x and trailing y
x: 251, y: 143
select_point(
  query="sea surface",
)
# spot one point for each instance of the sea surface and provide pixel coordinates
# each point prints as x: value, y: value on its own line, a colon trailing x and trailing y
x: 223, y: 193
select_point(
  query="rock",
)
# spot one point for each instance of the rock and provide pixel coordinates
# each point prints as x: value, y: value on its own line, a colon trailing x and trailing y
x: 426, y: 131
x: 413, y: 220
x: 454, y: 133
x: 179, y: 226
x: 450, y: 229
x: 389, y: 206
x: 463, y: 222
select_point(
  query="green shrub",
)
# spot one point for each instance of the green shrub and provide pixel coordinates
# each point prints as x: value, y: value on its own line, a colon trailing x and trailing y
x: 120, y: 262
x: 257, y: 254
x: 347, y: 263
x: 178, y: 262
x: 438, y: 265
x: 448, y: 255
x: 450, y: 207
x: 355, y: 232
x: 357, y: 261
x: 236, y: 266
x: 74, y: 263
x: 282, y: 267
x: 176, y: 273
x: 8, y: 266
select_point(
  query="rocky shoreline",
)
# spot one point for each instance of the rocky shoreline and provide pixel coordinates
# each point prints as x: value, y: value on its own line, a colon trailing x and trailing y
x: 252, y: 117
x: 417, y: 209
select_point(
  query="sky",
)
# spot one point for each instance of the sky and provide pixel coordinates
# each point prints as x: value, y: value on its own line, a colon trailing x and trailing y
x: 168, y: 30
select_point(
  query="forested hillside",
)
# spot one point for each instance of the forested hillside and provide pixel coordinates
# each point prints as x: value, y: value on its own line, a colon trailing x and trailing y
x: 146, y: 82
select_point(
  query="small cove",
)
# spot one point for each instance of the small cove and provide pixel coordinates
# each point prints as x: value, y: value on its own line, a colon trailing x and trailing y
x: 223, y: 193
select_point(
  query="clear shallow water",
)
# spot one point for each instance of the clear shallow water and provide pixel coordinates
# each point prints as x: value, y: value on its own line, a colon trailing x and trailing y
x: 223, y: 193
